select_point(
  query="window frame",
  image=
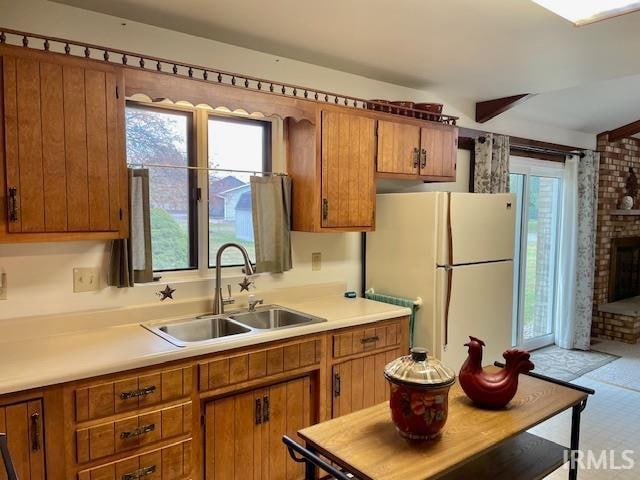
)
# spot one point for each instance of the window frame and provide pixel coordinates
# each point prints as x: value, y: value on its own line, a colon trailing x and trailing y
x: 192, y: 175
x: 198, y: 177
x: 266, y: 165
x: 528, y: 167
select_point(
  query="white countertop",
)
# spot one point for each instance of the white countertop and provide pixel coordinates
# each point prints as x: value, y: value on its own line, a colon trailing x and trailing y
x: 35, y: 362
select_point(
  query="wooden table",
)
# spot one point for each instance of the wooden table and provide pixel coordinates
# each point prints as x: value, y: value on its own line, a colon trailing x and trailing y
x: 476, y: 443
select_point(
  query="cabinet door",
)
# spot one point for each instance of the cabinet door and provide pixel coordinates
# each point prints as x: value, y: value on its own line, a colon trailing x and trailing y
x: 64, y: 134
x: 22, y: 422
x: 398, y: 148
x: 360, y: 383
x: 439, y: 150
x: 243, y: 438
x: 233, y: 438
x: 289, y: 410
x: 348, y: 157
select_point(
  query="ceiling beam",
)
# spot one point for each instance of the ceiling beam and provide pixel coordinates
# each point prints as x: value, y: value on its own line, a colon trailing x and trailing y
x: 490, y: 108
x: 624, y: 131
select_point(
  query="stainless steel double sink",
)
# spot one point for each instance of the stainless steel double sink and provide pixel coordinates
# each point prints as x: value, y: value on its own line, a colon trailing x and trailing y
x: 208, y: 328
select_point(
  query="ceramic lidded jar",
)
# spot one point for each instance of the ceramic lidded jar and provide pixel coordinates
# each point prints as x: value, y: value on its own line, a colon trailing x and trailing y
x: 419, y: 394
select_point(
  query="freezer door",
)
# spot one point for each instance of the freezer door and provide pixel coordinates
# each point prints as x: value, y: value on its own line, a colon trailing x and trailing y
x: 482, y: 228
x: 475, y: 300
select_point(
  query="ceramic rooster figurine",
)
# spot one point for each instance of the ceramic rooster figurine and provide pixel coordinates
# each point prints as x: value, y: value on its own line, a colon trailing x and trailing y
x: 492, y: 390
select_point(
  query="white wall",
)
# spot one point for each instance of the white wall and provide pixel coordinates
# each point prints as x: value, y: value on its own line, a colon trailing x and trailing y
x: 40, y: 276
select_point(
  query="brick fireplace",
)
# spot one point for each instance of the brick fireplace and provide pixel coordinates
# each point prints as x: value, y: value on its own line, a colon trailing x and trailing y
x: 616, y: 307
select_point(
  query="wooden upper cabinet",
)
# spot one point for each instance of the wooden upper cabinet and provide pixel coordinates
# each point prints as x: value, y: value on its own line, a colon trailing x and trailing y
x: 22, y: 422
x: 398, y: 148
x: 63, y: 172
x: 415, y: 151
x: 348, y: 159
x: 438, y: 151
x: 332, y: 167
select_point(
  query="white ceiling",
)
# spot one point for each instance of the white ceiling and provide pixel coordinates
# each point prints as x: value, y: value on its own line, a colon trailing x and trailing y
x: 464, y: 48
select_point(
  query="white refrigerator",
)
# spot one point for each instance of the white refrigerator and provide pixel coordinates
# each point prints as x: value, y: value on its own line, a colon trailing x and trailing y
x: 455, y: 251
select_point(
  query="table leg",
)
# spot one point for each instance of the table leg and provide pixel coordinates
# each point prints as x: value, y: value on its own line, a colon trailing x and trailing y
x: 310, y: 468
x: 575, y: 438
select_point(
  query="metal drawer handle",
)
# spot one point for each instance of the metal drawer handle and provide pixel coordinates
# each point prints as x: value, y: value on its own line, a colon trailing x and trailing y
x: 372, y: 339
x: 415, y: 157
x: 35, y: 431
x: 138, y: 393
x: 423, y: 158
x: 258, y: 411
x: 336, y: 385
x: 13, y: 204
x: 136, y: 432
x: 265, y: 411
x: 143, y: 472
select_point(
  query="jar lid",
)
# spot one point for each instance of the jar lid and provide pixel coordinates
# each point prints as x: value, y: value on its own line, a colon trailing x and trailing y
x: 419, y: 369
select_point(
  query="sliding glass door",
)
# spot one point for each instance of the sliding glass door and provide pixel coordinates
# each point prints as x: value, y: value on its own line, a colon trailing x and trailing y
x: 538, y: 188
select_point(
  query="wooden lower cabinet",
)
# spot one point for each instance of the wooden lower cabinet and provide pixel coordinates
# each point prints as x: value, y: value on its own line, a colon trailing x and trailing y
x: 360, y: 383
x: 216, y: 417
x: 22, y: 422
x: 243, y: 432
x: 172, y: 462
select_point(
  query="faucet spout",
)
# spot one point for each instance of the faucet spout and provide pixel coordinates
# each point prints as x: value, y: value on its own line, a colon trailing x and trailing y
x: 218, y: 301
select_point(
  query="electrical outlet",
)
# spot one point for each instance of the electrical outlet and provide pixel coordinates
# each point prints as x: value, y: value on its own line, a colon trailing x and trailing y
x: 3, y: 286
x: 86, y: 280
x: 316, y: 261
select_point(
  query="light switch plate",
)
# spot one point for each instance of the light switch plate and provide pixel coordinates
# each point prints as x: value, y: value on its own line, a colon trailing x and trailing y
x: 316, y: 261
x: 86, y: 280
x: 3, y: 286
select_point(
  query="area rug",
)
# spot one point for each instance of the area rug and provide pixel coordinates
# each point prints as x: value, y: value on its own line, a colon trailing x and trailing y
x: 623, y: 373
x: 568, y: 365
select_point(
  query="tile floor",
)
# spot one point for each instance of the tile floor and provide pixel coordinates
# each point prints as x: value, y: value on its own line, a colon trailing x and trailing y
x: 611, y: 420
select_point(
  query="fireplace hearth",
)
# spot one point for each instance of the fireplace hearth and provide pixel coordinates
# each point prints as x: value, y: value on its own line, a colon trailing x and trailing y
x: 624, y: 272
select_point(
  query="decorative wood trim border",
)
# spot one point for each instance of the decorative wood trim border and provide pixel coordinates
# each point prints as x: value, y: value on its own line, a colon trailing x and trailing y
x: 149, y: 63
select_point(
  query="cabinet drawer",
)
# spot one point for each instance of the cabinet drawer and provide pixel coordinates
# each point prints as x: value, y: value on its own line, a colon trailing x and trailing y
x: 132, y: 392
x: 109, y: 438
x: 172, y: 462
x: 258, y: 364
x: 366, y: 339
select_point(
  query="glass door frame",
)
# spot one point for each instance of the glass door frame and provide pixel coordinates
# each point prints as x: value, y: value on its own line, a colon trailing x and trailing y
x: 540, y: 168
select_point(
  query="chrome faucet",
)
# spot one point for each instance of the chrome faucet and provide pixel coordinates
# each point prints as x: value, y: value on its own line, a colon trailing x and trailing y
x: 253, y: 302
x: 219, y: 301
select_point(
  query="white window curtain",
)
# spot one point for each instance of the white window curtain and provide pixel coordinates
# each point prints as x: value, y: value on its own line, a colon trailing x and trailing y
x: 577, y: 252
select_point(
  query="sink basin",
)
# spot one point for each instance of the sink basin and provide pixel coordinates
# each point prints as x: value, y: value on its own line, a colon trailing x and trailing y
x: 210, y: 328
x: 194, y: 330
x: 272, y: 317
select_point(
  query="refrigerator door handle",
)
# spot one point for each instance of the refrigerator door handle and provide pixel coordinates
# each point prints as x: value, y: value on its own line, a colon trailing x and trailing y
x: 449, y: 271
